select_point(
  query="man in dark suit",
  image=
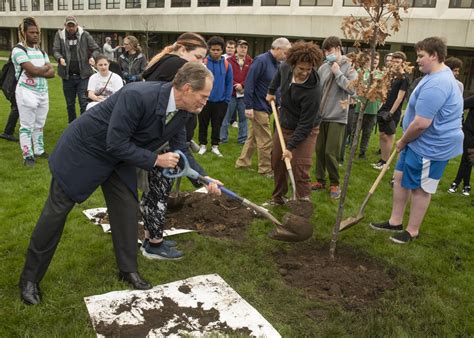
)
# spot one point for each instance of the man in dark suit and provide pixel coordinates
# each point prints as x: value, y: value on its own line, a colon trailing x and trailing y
x: 102, y: 148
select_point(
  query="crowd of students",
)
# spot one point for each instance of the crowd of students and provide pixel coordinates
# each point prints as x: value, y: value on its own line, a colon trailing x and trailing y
x: 307, y: 83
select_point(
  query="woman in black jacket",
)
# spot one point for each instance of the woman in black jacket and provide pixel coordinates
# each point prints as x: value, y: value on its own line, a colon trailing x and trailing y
x: 300, y: 88
x: 132, y: 62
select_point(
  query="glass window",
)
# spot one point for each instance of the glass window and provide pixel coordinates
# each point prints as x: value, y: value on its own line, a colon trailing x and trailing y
x: 275, y: 2
x: 240, y: 3
x: 12, y: 5
x: 422, y: 3
x: 349, y: 3
x: 155, y: 3
x: 23, y: 5
x: 62, y: 5
x: 111, y: 4
x: 35, y: 5
x: 48, y: 5
x: 315, y: 2
x: 94, y: 4
x: 209, y: 3
x: 180, y: 3
x: 2, y: 6
x: 133, y: 4
x: 77, y: 4
x: 461, y: 4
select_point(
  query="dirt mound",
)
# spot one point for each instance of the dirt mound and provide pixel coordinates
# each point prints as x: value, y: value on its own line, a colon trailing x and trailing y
x: 352, y: 280
x: 211, y: 215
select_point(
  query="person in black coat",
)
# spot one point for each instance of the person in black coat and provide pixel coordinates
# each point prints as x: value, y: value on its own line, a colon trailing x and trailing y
x: 300, y: 118
x: 102, y: 148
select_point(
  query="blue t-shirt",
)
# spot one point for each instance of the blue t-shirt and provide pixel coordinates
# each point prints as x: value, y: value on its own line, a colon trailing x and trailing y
x: 437, y: 97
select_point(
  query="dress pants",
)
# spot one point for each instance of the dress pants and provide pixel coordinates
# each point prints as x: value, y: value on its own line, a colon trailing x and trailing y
x: 123, y: 214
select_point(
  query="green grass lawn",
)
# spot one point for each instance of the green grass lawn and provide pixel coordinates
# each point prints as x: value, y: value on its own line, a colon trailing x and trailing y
x: 435, y: 283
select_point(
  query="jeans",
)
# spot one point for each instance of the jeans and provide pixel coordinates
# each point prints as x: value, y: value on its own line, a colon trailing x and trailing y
x: 239, y: 105
x: 72, y: 87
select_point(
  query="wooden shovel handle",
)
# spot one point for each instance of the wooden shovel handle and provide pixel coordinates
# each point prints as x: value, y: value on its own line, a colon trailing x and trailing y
x: 280, y: 133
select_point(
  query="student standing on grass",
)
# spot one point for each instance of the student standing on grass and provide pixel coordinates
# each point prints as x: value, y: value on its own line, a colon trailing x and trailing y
x: 216, y: 107
x: 75, y: 50
x: 103, y: 148
x: 299, y: 117
x: 432, y: 136
x: 132, y: 62
x: 32, y: 67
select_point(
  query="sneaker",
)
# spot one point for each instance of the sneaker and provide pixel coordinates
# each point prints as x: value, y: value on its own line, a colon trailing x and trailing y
x: 453, y: 188
x: 161, y: 252
x: 194, y: 146
x: 318, y: 185
x: 215, y: 151
x: 29, y: 161
x: 402, y: 237
x: 386, y: 226
x: 334, y: 192
x: 275, y: 202
x: 166, y: 242
x: 202, y: 149
x: 466, y: 191
x: 392, y: 182
x: 235, y: 124
x: 44, y: 155
x: 379, y: 165
x: 9, y: 137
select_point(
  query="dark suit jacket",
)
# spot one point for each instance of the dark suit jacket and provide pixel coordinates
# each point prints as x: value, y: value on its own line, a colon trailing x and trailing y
x: 118, y: 135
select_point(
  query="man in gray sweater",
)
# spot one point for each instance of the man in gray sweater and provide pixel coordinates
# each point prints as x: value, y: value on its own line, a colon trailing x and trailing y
x: 335, y: 75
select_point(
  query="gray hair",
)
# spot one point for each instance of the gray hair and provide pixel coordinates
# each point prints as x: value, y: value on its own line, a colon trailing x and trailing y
x: 281, y: 43
x: 194, y: 73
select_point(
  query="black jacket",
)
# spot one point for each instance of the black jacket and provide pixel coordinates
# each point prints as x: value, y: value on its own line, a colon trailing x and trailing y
x: 118, y: 135
x: 468, y: 126
x: 165, y: 69
x: 299, y: 103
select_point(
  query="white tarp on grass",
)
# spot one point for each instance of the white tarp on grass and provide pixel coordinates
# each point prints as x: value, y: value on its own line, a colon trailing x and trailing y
x: 196, y: 306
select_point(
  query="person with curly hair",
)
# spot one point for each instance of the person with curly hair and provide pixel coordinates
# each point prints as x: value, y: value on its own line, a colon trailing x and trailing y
x: 300, y: 88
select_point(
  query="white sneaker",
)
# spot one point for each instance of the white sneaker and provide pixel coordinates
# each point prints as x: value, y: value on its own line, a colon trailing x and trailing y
x: 215, y: 151
x: 202, y: 149
x: 235, y: 124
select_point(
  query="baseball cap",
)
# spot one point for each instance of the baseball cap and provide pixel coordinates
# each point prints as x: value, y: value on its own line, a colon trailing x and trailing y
x: 242, y: 42
x: 71, y: 19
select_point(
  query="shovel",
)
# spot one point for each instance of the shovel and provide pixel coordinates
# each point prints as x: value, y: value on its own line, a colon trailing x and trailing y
x: 283, y: 148
x: 293, y: 228
x: 176, y: 198
x: 349, y: 222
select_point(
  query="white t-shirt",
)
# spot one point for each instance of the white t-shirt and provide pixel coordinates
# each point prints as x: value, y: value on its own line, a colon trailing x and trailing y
x: 97, y: 83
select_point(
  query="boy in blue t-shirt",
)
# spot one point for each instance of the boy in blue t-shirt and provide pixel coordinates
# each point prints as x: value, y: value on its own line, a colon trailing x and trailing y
x: 432, y: 136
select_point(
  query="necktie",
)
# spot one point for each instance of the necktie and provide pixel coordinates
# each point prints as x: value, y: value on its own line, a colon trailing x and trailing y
x: 170, y: 115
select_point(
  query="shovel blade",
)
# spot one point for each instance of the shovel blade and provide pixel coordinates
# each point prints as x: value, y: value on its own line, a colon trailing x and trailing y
x: 293, y: 229
x: 349, y: 222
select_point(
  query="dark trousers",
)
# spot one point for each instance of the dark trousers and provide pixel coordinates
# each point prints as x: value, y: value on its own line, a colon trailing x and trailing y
x: 368, y: 123
x: 75, y: 86
x: 215, y: 113
x: 190, y: 127
x: 123, y: 214
x: 300, y: 164
x: 12, y: 119
x: 465, y: 169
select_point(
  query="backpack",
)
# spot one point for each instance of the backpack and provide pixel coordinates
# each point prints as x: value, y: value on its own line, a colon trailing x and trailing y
x: 8, y: 81
x: 226, y: 63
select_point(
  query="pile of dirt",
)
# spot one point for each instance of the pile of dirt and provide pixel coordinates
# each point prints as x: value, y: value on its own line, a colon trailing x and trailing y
x: 353, y: 280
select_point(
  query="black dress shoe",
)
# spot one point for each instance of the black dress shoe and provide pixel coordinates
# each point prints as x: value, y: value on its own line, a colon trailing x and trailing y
x: 9, y: 137
x: 135, y: 280
x: 30, y: 293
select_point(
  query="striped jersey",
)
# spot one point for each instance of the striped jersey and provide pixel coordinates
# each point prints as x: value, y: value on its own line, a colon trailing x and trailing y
x: 36, y: 57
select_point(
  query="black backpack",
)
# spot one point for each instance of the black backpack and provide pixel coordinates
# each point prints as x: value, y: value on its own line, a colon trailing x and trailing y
x: 8, y: 80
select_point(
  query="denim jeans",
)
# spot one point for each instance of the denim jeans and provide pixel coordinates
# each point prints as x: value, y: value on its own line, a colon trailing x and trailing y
x: 72, y: 87
x: 235, y: 103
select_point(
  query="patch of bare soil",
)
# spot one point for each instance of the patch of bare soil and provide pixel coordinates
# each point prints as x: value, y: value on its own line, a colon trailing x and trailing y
x: 353, y: 280
x: 170, y: 312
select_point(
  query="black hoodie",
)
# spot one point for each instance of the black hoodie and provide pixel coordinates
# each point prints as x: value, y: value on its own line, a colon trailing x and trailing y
x: 299, y: 103
x: 165, y: 69
x: 468, y: 126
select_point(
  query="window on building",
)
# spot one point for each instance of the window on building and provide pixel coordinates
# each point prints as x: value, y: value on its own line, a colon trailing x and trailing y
x: 209, y: 3
x: 62, y: 5
x: 422, y: 3
x: 23, y: 5
x: 94, y: 4
x: 49, y: 5
x: 133, y: 4
x: 35, y: 5
x: 240, y: 3
x: 12, y: 5
x: 461, y: 4
x: 77, y: 4
x: 155, y: 3
x: 180, y: 3
x: 315, y: 2
x: 275, y: 2
x: 113, y: 4
x: 349, y: 3
x: 2, y: 6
